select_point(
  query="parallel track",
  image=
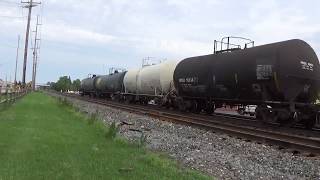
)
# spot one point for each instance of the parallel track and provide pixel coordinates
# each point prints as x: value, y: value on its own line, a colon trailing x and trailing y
x: 295, y: 143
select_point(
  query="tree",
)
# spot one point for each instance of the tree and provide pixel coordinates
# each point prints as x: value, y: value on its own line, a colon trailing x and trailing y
x: 76, y: 85
x: 63, y: 84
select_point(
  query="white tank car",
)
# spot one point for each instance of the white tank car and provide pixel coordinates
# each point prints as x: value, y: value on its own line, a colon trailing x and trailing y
x: 154, y: 80
x: 130, y: 81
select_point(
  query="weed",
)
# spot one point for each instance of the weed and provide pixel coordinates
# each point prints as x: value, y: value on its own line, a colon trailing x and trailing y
x: 66, y: 103
x: 112, y: 131
x: 142, y: 140
x: 93, y: 118
x: 76, y: 108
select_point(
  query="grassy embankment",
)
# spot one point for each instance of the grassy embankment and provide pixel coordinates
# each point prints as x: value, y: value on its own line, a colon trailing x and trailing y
x: 42, y: 139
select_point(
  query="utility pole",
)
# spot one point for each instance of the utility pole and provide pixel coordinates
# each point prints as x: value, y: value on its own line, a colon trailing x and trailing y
x: 35, y: 48
x: 17, y: 57
x: 35, y: 68
x: 30, y: 5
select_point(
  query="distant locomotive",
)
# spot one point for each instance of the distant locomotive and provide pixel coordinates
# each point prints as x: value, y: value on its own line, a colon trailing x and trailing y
x: 282, y: 79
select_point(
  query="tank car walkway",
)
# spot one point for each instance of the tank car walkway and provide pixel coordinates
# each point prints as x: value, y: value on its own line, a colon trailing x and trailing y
x: 42, y: 138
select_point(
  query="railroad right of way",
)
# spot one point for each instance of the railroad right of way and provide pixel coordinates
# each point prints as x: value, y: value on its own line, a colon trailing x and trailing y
x: 214, y: 153
x: 296, y: 143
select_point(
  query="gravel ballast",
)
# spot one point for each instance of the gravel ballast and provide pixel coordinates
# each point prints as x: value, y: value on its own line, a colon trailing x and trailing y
x: 215, y: 154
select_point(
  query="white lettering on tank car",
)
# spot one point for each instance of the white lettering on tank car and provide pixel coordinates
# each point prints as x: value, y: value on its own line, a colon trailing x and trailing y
x: 189, y: 80
x: 264, y: 72
x: 306, y: 66
x: 182, y: 80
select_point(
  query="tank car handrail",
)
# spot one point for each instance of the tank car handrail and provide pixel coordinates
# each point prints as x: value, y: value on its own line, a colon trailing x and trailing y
x: 222, y: 42
x: 238, y: 37
x: 228, y: 50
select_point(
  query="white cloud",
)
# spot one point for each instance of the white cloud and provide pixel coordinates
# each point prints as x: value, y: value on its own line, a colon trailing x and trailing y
x: 74, y: 35
x: 79, y: 36
x: 162, y: 26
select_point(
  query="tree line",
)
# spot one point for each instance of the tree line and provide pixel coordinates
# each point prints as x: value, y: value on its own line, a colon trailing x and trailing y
x: 65, y: 84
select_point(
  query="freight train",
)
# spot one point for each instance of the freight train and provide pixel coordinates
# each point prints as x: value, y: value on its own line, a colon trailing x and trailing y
x: 281, y: 79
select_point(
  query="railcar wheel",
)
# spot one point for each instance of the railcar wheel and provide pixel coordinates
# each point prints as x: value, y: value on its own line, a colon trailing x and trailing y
x: 210, y: 109
x: 196, y: 107
x: 115, y: 97
x: 240, y: 111
x: 181, y: 105
x: 310, y: 124
x: 262, y: 113
x: 267, y: 115
x: 309, y: 121
x: 121, y: 98
x: 293, y: 119
x: 258, y: 113
x: 127, y: 99
x: 167, y: 105
x: 145, y: 102
x: 283, y: 117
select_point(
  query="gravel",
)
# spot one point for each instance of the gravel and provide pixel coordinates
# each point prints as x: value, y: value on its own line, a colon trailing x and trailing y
x: 215, y: 154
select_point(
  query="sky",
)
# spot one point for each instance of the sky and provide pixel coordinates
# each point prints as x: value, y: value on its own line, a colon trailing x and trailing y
x: 90, y: 36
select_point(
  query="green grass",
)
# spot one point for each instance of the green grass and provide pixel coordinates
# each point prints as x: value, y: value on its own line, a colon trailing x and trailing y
x: 42, y: 139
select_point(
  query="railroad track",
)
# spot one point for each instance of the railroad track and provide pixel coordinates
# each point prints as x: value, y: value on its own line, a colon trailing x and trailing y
x: 310, y: 146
